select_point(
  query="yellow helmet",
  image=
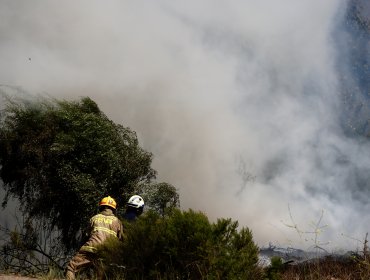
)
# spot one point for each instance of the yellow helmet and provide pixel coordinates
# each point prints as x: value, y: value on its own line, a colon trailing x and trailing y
x: 108, y: 201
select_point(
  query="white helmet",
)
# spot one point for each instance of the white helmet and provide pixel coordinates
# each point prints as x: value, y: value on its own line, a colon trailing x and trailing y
x: 136, y: 201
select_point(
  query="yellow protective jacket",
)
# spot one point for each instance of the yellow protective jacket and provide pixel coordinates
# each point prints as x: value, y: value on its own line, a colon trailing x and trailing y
x: 103, y: 226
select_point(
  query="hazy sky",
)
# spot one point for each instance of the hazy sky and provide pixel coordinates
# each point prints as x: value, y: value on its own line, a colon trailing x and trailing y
x: 237, y: 100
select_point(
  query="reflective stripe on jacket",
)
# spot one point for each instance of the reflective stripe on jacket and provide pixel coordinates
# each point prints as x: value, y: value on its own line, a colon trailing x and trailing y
x: 103, y: 225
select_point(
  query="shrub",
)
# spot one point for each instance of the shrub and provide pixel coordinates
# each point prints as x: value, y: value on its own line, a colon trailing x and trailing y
x: 274, y: 270
x: 182, y: 245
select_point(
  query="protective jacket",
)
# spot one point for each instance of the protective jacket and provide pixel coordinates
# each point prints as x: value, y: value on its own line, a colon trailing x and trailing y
x: 103, y: 226
x: 130, y: 215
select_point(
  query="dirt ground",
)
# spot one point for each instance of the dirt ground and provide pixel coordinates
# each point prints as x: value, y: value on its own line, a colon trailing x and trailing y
x: 14, y: 277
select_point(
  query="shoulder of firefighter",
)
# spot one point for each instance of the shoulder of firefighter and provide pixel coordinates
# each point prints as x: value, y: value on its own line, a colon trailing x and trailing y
x: 103, y: 226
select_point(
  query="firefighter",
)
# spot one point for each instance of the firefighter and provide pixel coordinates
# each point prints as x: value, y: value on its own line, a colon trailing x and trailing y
x: 134, y: 208
x: 104, y: 225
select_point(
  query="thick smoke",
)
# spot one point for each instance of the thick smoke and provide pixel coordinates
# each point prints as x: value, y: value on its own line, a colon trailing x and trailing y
x: 239, y: 101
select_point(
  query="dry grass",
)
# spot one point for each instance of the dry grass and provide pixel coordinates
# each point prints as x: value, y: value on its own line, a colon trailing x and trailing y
x: 329, y: 268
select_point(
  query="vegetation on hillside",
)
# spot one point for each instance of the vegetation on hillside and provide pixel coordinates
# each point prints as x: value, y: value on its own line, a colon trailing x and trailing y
x: 58, y: 158
x: 183, y: 245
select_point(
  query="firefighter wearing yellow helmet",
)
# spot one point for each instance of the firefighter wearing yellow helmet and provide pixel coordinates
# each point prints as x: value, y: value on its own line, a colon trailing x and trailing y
x: 102, y: 226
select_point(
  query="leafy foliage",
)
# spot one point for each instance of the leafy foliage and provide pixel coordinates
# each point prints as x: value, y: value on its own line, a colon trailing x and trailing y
x: 183, y: 245
x: 160, y: 197
x: 59, y: 158
x: 273, y: 271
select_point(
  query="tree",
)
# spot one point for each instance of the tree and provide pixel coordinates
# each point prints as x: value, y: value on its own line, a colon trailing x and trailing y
x: 60, y: 157
x: 160, y: 197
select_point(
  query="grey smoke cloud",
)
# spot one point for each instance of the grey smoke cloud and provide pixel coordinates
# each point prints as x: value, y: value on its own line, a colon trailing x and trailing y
x: 238, y: 101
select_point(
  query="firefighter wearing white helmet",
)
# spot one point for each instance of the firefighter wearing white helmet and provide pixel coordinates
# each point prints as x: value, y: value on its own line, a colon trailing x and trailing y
x: 134, y: 208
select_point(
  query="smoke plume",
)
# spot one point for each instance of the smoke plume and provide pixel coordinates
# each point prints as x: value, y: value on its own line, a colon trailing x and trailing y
x: 239, y: 101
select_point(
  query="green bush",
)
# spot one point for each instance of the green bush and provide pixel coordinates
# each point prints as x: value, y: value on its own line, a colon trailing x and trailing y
x: 274, y: 270
x: 182, y: 245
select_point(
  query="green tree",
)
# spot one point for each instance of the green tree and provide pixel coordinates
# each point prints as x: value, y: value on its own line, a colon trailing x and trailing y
x: 160, y: 197
x: 60, y: 157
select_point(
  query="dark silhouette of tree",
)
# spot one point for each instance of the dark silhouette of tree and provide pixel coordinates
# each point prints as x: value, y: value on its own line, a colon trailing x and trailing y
x: 60, y: 157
